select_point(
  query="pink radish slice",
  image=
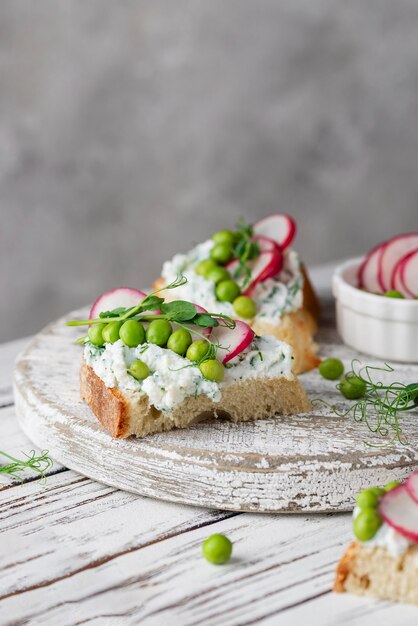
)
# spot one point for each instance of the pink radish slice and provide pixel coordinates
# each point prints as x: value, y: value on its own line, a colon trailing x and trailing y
x: 202, y: 331
x: 266, y: 265
x: 280, y: 227
x: 393, y: 252
x: 409, y: 273
x: 397, y: 280
x: 120, y: 297
x: 234, y: 340
x: 265, y: 243
x: 412, y: 486
x: 399, y: 511
x: 369, y: 270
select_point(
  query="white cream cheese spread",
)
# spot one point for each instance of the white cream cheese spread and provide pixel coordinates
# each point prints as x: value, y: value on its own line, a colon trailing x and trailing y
x: 273, y: 297
x: 174, y: 378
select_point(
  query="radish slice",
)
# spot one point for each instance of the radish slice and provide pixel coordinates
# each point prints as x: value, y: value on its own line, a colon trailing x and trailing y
x: 409, y: 273
x: 265, y: 243
x: 234, y: 340
x: 120, y: 297
x: 266, y: 265
x: 412, y: 486
x: 369, y: 270
x: 397, y: 279
x: 202, y: 331
x: 281, y: 228
x: 399, y: 511
x: 392, y: 253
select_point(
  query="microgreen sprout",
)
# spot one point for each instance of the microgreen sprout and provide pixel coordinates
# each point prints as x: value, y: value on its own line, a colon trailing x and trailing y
x: 381, y: 406
x: 38, y: 463
x: 180, y: 313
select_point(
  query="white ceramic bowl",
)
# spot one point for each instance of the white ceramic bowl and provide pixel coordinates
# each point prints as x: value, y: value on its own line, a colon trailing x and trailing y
x: 383, y: 327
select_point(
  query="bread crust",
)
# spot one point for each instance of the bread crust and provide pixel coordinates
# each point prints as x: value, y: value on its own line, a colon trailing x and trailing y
x: 129, y: 413
x: 296, y: 328
x: 376, y: 573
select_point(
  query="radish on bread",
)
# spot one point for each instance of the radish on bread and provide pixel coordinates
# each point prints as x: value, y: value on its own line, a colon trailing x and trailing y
x: 233, y: 340
x: 400, y: 511
x: 121, y: 297
x: 280, y: 227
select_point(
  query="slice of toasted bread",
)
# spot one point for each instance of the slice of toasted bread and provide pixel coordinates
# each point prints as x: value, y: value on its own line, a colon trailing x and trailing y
x: 296, y: 328
x: 377, y: 573
x: 130, y: 413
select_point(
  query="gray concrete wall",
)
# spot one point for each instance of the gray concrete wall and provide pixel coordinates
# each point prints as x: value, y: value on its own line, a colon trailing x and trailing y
x: 131, y: 129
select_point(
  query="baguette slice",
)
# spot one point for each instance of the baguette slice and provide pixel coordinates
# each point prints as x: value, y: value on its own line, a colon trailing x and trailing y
x: 130, y: 413
x: 296, y: 328
x: 375, y: 572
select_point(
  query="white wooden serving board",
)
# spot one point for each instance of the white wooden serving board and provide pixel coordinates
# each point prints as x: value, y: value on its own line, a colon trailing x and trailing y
x: 303, y: 463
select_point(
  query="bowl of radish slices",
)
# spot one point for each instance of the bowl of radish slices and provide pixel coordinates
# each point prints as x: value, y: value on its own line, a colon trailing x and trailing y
x: 377, y: 300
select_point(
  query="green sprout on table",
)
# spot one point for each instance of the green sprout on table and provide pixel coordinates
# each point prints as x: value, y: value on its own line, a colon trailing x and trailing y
x: 38, y: 463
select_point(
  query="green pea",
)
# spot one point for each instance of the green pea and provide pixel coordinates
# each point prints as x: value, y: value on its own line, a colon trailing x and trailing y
x: 352, y: 387
x: 367, y: 499
x: 221, y: 252
x: 379, y: 491
x: 111, y: 332
x: 412, y: 390
x: 212, y: 370
x: 227, y: 291
x: 179, y: 341
x: 391, y: 485
x: 158, y: 332
x: 132, y: 333
x: 197, y: 350
x: 331, y: 369
x: 139, y: 370
x: 245, y: 307
x: 392, y: 293
x: 95, y: 334
x: 366, y: 524
x: 224, y: 236
x: 217, y: 274
x: 217, y: 549
x: 203, y: 267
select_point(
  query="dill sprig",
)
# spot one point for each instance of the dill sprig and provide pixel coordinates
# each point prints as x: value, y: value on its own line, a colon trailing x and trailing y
x: 382, y: 405
x: 38, y: 463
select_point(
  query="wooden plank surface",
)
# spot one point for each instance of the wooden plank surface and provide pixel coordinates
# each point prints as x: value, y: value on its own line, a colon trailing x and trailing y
x: 73, y: 551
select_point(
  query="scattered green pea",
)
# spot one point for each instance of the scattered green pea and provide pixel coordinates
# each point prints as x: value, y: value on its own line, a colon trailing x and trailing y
x: 179, y: 341
x: 111, y: 332
x: 367, y: 499
x: 366, y: 524
x: 227, y: 291
x: 378, y: 491
x: 224, y: 236
x: 132, y: 333
x: 217, y: 549
x: 392, y: 293
x: 217, y: 274
x: 352, y: 387
x: 244, y: 306
x: 412, y: 390
x: 95, y: 334
x: 331, y: 369
x: 197, y: 350
x: 222, y: 253
x: 205, y: 266
x: 139, y: 370
x: 212, y: 370
x: 391, y: 485
x: 158, y: 332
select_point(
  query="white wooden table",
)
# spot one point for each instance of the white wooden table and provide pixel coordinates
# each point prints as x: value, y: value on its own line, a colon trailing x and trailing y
x: 73, y: 551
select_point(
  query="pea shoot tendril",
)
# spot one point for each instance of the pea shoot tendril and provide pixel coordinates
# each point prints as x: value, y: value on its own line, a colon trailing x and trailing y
x: 382, y: 405
x: 178, y: 312
x: 38, y: 463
